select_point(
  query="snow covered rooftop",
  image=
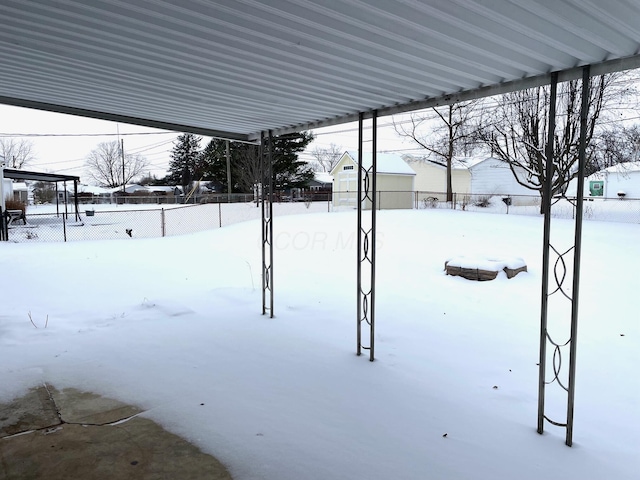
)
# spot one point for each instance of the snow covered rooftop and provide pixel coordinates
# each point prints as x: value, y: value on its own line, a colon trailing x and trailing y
x: 386, y: 163
x: 470, y: 162
x: 622, y: 168
x: 324, y: 177
x: 93, y: 189
x: 456, y: 164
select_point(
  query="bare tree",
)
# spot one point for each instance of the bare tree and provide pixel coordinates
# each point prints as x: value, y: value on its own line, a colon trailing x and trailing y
x: 614, y: 145
x: 516, y: 131
x: 327, y: 158
x: 106, y: 166
x: 444, y: 132
x: 16, y: 153
x: 247, y: 167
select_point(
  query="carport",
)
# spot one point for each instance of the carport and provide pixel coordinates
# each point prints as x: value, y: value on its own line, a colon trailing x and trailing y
x: 37, y: 177
x: 251, y: 69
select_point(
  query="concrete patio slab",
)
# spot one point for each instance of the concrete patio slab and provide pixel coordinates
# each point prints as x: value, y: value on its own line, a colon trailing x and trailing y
x: 88, y: 408
x: 71, y: 434
x: 33, y: 411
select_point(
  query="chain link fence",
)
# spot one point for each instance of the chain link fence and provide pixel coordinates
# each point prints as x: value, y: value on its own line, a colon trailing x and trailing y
x: 103, y: 222
x: 121, y: 221
x: 625, y: 210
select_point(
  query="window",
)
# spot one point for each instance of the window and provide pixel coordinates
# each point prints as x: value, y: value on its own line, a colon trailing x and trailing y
x: 347, y: 167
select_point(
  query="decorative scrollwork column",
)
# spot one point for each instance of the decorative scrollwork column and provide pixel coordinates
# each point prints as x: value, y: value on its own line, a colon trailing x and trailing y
x: 367, y: 206
x: 556, y: 291
x: 266, y: 199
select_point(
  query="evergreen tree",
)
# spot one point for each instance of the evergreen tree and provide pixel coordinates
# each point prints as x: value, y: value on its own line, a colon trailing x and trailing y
x: 185, y: 166
x: 288, y: 170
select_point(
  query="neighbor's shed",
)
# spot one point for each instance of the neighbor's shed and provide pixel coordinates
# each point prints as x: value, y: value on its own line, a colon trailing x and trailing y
x: 431, y: 177
x: 394, y: 181
x: 492, y: 176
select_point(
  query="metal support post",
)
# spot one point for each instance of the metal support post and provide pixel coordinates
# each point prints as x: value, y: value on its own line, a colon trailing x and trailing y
x: 266, y: 196
x: 563, y: 261
x: 75, y: 199
x: 366, y: 236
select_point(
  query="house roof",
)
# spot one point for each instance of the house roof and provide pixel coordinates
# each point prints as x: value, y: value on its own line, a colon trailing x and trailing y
x: 471, y: 162
x: 235, y: 69
x: 323, y: 177
x: 386, y: 163
x: 456, y: 164
x: 161, y: 188
x: 95, y: 190
x: 129, y: 188
x: 622, y: 168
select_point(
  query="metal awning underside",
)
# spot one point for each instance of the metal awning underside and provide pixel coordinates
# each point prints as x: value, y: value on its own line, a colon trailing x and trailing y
x: 233, y: 68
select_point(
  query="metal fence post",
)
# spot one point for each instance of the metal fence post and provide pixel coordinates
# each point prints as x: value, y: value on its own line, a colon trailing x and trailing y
x: 162, y: 222
x: 219, y: 214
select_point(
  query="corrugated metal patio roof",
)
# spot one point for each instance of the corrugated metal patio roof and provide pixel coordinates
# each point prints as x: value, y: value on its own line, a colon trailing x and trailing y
x: 236, y: 68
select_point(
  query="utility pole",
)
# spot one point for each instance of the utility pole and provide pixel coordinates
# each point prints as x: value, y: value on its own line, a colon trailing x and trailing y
x: 228, y: 173
x: 122, y: 155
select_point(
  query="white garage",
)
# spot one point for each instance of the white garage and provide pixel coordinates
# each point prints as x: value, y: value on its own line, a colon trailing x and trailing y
x: 395, y: 181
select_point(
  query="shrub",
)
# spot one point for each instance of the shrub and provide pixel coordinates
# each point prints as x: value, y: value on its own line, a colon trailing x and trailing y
x: 11, y: 204
x: 483, y: 201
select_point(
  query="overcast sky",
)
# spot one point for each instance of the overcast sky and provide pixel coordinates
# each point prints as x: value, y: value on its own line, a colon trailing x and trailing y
x: 62, y: 142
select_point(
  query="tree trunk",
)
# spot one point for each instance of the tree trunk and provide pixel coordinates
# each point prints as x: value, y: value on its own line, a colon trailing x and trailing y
x: 450, y: 157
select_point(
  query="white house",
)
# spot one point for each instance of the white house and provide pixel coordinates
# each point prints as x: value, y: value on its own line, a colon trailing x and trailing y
x: 619, y: 181
x: 486, y: 176
x: 7, y: 188
x: 431, y: 177
x: 394, y: 181
x: 491, y: 176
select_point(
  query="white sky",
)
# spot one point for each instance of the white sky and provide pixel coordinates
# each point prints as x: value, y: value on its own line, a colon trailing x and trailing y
x: 62, y: 142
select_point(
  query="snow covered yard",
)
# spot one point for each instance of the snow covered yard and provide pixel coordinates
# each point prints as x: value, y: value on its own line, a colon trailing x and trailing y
x: 173, y: 325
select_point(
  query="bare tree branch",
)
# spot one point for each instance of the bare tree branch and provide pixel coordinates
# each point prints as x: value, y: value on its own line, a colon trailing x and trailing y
x: 16, y: 153
x: 516, y: 131
x: 327, y: 158
x: 443, y: 132
x: 104, y: 165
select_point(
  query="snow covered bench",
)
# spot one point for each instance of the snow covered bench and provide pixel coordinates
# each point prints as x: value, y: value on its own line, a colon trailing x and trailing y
x: 15, y: 215
x: 482, y: 268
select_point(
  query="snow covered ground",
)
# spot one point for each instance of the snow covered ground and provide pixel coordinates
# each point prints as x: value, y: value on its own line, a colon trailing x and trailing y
x: 173, y: 324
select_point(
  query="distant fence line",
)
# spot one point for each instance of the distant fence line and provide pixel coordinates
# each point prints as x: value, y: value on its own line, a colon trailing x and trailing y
x: 93, y: 223
x: 146, y: 198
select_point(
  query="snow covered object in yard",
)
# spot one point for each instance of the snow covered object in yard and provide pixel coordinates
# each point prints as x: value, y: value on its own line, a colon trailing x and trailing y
x: 484, y: 268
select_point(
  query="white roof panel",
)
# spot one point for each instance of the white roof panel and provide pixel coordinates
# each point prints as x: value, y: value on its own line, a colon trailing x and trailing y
x: 236, y: 68
x: 390, y: 163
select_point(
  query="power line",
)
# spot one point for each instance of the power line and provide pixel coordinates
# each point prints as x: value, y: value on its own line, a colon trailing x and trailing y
x: 82, y: 134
